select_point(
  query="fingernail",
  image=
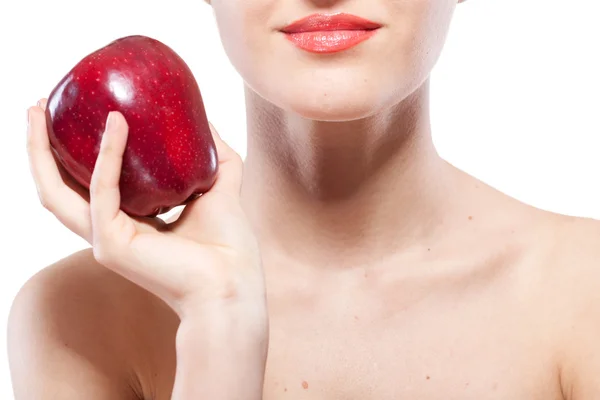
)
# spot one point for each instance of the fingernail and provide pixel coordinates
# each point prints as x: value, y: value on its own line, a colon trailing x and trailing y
x: 110, y: 121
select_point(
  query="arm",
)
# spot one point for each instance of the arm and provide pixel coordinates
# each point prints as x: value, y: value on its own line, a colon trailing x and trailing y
x: 73, y: 330
x: 67, y: 340
x: 206, y: 266
x: 219, y: 361
x: 581, y: 368
x: 59, y: 346
x: 578, y: 290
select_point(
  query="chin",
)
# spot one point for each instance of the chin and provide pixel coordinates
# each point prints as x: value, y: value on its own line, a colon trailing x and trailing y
x: 334, y: 93
x: 331, y: 108
x: 332, y: 101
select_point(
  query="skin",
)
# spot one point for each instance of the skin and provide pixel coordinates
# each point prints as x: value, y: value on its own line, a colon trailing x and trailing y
x: 390, y: 274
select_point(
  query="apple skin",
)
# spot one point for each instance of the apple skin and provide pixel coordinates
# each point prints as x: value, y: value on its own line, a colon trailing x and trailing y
x: 170, y: 156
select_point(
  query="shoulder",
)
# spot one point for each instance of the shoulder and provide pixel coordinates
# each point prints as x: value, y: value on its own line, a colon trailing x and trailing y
x: 79, y: 293
x: 565, y: 251
x: 78, y: 310
x: 574, y: 246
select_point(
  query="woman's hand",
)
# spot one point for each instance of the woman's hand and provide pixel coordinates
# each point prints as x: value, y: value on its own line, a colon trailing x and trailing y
x: 206, y: 265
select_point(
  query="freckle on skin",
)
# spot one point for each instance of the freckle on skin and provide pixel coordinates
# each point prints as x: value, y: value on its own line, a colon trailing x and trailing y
x: 304, y: 384
x: 470, y: 217
x: 428, y: 377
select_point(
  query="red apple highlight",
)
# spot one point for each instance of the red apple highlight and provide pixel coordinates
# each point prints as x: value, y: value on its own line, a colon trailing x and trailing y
x: 170, y: 157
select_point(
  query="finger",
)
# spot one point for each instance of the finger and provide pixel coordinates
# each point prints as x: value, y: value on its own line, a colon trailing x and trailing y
x: 229, y: 174
x: 42, y: 104
x: 70, y: 208
x: 105, y: 197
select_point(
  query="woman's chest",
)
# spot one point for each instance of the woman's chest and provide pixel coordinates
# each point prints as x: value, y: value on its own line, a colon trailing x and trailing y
x: 443, y: 359
x: 458, y: 343
x: 341, y: 367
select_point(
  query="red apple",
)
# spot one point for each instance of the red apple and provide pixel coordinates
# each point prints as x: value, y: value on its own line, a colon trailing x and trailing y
x: 170, y: 156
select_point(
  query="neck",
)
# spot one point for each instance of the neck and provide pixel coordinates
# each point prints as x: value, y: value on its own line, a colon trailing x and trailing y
x: 343, y: 193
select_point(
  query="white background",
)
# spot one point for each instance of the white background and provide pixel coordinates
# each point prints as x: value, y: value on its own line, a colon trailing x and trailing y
x: 515, y: 102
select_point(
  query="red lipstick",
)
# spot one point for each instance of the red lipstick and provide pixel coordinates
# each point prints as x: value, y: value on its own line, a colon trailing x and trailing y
x: 329, y: 33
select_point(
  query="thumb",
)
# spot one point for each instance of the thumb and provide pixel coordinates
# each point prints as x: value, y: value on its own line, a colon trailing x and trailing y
x: 229, y: 174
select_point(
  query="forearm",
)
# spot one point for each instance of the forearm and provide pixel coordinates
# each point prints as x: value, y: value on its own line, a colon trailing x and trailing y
x: 219, y: 361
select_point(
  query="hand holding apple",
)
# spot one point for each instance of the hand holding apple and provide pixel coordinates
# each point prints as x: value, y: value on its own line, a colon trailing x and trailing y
x: 206, y: 265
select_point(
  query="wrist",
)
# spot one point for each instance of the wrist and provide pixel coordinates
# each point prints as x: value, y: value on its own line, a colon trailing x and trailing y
x: 219, y: 358
x: 226, y: 317
x: 210, y: 334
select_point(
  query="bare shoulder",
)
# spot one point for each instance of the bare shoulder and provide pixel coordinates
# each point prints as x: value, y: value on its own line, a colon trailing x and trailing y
x: 76, y: 318
x: 575, y: 248
x: 564, y: 252
x: 82, y: 302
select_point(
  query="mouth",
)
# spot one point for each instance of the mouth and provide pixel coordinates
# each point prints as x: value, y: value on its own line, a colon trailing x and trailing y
x: 329, y: 33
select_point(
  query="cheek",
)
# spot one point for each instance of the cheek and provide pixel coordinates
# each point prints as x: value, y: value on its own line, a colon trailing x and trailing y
x: 417, y: 37
x: 427, y: 29
x: 244, y: 26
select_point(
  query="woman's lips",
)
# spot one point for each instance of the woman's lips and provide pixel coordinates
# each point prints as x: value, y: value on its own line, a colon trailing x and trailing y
x: 329, y: 41
x: 323, y: 33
